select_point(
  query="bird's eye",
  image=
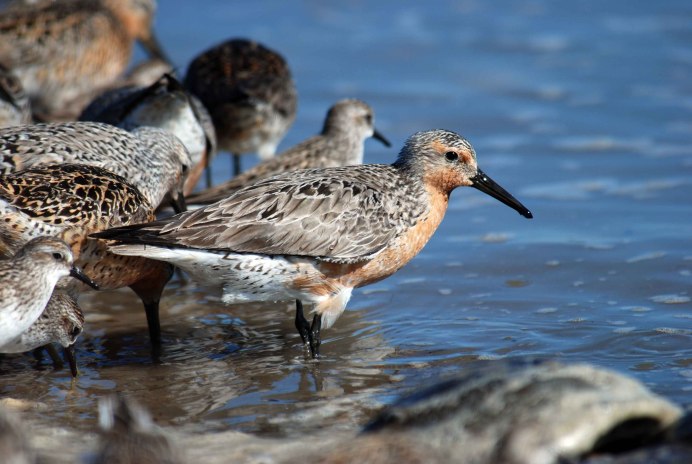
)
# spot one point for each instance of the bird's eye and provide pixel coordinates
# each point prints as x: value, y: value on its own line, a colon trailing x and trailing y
x: 58, y: 256
x: 75, y: 332
x: 452, y: 156
x: 368, y: 119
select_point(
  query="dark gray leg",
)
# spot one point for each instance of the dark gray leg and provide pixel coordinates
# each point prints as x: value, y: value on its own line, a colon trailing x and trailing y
x: 207, y: 176
x: 237, y: 169
x: 310, y: 334
x: 302, y: 324
x: 152, y: 311
x: 314, y: 336
x: 71, y: 357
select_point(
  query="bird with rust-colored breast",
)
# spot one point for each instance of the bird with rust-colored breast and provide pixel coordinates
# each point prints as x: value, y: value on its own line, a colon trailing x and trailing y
x: 71, y: 201
x: 315, y: 235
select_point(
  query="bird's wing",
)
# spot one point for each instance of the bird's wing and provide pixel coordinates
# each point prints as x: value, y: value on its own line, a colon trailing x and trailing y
x: 337, y: 214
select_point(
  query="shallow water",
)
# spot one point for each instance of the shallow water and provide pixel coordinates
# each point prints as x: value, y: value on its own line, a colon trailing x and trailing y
x: 581, y: 109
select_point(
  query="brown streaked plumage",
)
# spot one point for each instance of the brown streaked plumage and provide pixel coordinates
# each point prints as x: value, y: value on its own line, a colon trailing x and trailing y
x: 348, y: 123
x: 65, y: 51
x: 250, y: 94
x: 164, y: 104
x: 316, y: 234
x: 152, y: 159
x: 70, y: 201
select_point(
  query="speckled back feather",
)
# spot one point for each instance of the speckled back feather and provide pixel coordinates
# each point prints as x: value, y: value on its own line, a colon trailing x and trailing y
x: 68, y: 200
x: 151, y: 159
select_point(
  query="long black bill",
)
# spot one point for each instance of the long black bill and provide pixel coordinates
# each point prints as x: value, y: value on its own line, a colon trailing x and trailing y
x: 378, y: 136
x: 79, y: 275
x: 71, y: 359
x: 178, y: 203
x: 486, y: 185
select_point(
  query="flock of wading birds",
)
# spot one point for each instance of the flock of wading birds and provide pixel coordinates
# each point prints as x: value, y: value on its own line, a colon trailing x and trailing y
x: 80, y: 191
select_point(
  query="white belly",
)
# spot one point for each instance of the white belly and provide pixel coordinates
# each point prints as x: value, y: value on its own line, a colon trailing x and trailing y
x: 242, y: 277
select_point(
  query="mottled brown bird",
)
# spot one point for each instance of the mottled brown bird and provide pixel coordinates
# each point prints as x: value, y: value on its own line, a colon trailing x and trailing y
x: 71, y: 201
x: 250, y: 94
x: 64, y: 52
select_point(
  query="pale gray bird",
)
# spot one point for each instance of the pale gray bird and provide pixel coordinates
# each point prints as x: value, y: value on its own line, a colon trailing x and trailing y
x: 62, y: 321
x: 348, y: 123
x: 27, y: 281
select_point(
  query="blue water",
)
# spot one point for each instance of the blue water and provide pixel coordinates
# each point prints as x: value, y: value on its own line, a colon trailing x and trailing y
x: 582, y: 110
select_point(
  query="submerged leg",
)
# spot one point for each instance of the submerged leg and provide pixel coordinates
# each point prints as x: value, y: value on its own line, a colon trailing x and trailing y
x: 149, y: 289
x: 301, y: 323
x: 69, y: 353
x: 152, y: 310
x: 314, y: 335
x: 52, y: 352
x: 310, y: 334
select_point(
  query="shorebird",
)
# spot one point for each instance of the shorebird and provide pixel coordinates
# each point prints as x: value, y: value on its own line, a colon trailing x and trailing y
x: 128, y: 435
x: 152, y: 159
x: 315, y: 235
x: 70, y: 201
x: 164, y: 104
x: 61, y: 322
x: 348, y: 123
x: 14, y: 104
x: 27, y: 280
x: 250, y: 94
x: 66, y: 51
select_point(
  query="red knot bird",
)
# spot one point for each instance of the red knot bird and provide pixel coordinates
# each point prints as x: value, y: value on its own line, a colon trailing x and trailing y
x: 315, y: 235
x: 165, y: 104
x: 66, y: 51
x: 250, y: 94
x: 128, y: 435
x: 61, y: 322
x: 27, y: 280
x: 152, y: 159
x: 70, y: 201
x: 348, y: 123
x: 14, y: 104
